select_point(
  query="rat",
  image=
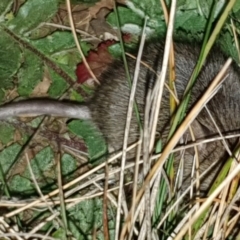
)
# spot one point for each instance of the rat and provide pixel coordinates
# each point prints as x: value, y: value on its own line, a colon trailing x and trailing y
x: 108, y: 107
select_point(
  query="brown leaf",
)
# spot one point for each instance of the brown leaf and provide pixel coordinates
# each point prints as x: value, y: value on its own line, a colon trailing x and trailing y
x: 97, y: 60
x: 93, y: 11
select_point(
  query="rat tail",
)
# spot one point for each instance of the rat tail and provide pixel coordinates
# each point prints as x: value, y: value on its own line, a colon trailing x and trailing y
x: 50, y: 107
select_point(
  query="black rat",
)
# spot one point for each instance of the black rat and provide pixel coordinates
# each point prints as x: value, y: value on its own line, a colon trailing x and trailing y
x: 108, y: 108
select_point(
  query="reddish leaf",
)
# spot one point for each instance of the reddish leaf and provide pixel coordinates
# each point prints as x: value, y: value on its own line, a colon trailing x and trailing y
x: 97, y: 60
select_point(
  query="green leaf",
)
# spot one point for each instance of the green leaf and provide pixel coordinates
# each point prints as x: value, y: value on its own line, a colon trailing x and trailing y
x: 10, y: 58
x: 55, y: 42
x: 76, y: 96
x: 92, y: 137
x: 150, y: 8
x: 236, y: 7
x: 190, y: 21
x: 30, y: 74
x: 126, y: 16
x: 225, y: 41
x: 84, y: 216
x: 36, y: 121
x: 41, y: 164
x: 68, y: 164
x: 32, y: 14
x: 130, y: 22
x: 8, y: 156
x: 59, y: 234
x: 70, y: 70
x: 21, y: 185
x: 6, y: 133
x: 5, y: 5
x: 58, y: 86
x: 58, y: 41
x: 132, y: 18
x: 87, y: 215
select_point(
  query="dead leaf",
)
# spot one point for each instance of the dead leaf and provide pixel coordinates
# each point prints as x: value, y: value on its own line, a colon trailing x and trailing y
x: 93, y: 11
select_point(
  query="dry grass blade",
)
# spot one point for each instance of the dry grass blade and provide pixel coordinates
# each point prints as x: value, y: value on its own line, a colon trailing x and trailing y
x: 22, y: 236
x: 209, y: 201
x: 127, y: 129
x: 5, y: 227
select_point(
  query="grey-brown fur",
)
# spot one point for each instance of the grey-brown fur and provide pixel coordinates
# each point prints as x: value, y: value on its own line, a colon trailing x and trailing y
x: 109, y: 105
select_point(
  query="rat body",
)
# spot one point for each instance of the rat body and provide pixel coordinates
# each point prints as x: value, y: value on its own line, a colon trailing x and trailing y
x: 108, y: 107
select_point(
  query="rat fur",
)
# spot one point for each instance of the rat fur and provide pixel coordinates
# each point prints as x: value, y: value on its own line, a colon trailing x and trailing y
x: 109, y: 105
